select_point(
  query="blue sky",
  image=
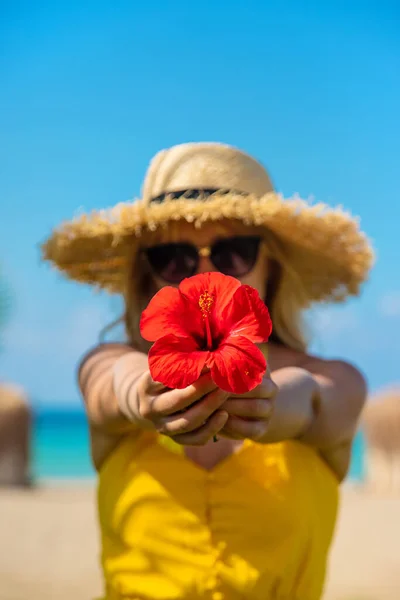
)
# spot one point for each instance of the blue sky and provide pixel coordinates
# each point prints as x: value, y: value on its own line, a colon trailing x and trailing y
x: 91, y: 90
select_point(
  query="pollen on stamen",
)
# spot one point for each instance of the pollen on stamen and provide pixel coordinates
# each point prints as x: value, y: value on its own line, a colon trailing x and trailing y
x: 206, y: 302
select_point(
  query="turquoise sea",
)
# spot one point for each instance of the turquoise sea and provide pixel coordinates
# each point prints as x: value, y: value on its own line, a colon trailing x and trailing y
x: 61, y: 447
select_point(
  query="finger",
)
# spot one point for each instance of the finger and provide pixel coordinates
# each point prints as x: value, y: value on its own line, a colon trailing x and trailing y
x: 172, y: 401
x: 239, y: 428
x: 205, y: 433
x: 195, y: 416
x: 266, y: 389
x: 250, y: 408
x: 153, y: 387
x: 150, y: 386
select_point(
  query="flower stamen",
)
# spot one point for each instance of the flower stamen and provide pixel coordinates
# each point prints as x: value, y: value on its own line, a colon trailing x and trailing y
x: 206, y: 302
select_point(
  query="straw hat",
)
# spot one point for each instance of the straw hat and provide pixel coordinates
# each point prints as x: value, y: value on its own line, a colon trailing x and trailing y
x: 202, y: 182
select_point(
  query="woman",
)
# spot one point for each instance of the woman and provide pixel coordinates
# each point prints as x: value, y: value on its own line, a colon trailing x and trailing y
x: 251, y: 516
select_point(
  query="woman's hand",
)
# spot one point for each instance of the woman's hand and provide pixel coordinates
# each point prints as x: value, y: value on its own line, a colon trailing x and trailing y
x: 277, y: 410
x: 250, y: 413
x: 191, y: 416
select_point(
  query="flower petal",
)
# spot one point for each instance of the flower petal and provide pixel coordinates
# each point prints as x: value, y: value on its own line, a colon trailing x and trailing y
x: 168, y: 313
x: 220, y: 287
x: 238, y: 366
x: 247, y: 315
x: 176, y: 362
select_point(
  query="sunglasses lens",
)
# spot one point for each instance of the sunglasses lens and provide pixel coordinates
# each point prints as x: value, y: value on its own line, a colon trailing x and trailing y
x: 236, y: 256
x: 173, y: 262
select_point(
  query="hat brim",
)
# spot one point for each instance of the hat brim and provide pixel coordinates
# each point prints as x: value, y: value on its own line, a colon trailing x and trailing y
x: 325, y: 246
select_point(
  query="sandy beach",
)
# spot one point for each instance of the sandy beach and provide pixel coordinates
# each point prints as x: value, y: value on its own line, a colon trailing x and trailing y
x: 49, y: 546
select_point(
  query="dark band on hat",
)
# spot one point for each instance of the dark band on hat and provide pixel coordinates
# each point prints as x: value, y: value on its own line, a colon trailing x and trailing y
x: 195, y: 194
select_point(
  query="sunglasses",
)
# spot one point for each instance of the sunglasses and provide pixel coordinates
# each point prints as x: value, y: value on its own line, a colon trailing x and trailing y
x: 235, y: 256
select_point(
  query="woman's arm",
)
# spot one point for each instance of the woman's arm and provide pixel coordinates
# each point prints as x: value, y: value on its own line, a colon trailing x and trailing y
x: 342, y: 395
x: 121, y: 397
x: 329, y: 406
x: 107, y: 376
x: 318, y: 403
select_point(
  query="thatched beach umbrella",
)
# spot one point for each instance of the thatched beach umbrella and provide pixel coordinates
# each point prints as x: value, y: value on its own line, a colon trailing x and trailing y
x: 15, y: 420
x: 381, y: 423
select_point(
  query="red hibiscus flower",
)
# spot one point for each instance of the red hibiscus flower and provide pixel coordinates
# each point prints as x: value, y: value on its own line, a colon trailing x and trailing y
x: 212, y: 322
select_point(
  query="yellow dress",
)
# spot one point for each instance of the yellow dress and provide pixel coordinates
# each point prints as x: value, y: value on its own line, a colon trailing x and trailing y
x: 258, y: 526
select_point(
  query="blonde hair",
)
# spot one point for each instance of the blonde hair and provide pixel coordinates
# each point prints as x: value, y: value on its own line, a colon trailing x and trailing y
x: 286, y: 298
